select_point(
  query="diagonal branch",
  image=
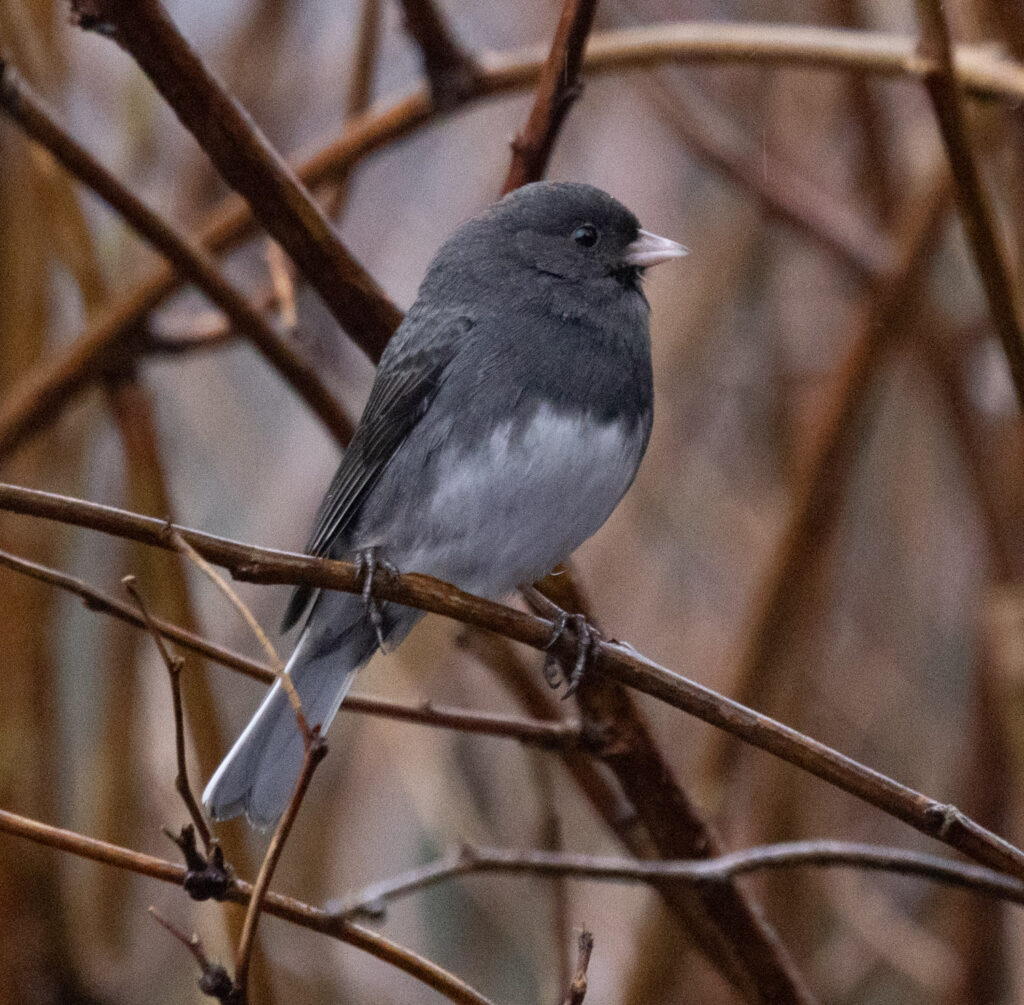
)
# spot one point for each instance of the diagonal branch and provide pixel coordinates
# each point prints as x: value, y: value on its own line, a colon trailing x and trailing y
x: 975, y: 212
x: 248, y: 163
x: 451, y: 73
x: 546, y: 735
x: 620, y: 662
x: 286, y: 908
x: 372, y: 900
x: 724, y: 920
x: 559, y: 86
x: 40, y: 395
x: 190, y: 259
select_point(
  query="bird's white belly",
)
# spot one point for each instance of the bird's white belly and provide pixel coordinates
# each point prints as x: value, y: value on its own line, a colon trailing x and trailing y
x: 509, y: 511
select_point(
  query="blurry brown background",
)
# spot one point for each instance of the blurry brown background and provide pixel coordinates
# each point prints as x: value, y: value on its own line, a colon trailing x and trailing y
x: 826, y: 525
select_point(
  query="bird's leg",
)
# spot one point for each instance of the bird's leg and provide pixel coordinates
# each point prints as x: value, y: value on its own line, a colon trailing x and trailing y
x: 586, y: 637
x: 367, y: 562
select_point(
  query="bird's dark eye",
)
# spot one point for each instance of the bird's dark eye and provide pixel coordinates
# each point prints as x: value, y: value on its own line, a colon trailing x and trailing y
x: 586, y: 236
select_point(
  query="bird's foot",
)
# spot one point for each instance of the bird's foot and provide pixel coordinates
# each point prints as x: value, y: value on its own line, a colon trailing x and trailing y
x: 586, y: 638
x: 367, y: 562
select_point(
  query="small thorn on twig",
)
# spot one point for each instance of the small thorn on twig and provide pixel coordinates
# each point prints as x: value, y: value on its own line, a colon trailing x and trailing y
x: 208, y: 877
x: 214, y: 980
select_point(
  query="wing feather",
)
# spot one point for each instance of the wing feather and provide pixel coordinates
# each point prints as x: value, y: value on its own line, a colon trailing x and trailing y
x: 401, y: 394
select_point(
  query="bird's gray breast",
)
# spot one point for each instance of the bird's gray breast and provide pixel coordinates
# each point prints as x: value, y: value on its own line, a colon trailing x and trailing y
x: 507, y: 505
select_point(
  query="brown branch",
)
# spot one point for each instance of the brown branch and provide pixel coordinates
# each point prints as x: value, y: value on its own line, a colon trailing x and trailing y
x: 190, y: 260
x: 315, y: 751
x: 249, y: 563
x: 783, y: 193
x: 559, y: 86
x: 975, y: 212
x: 371, y: 900
x: 40, y: 395
x: 725, y: 921
x: 531, y: 732
x: 451, y: 73
x: 287, y: 908
x: 578, y: 988
x: 248, y: 163
x: 783, y: 595
x: 215, y: 981
x: 174, y: 665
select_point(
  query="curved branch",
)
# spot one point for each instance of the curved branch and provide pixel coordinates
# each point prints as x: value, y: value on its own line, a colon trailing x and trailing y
x: 286, y: 908
x: 372, y: 899
x: 619, y: 661
x: 248, y: 163
x: 548, y: 735
x: 38, y: 397
x: 192, y: 261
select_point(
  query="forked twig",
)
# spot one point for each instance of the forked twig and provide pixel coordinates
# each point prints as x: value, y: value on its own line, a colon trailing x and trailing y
x: 174, y: 666
x: 215, y: 980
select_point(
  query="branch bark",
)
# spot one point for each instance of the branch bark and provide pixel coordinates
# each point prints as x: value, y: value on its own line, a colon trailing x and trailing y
x: 941, y: 821
x: 191, y: 261
x: 248, y: 163
x: 40, y: 395
x: 559, y: 86
x: 975, y: 212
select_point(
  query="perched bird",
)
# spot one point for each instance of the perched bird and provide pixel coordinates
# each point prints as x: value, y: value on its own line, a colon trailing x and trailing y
x: 508, y: 417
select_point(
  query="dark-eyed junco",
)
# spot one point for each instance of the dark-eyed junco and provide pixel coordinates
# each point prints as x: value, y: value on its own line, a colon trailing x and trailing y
x: 508, y: 416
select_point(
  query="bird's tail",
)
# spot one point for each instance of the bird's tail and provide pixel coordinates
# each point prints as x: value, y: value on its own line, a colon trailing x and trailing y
x: 259, y: 773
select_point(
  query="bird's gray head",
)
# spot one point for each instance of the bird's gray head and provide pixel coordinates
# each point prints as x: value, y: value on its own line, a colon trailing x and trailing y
x: 563, y: 229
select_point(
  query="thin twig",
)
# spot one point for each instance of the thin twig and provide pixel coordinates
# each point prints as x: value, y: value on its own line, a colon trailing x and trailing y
x: 555, y: 735
x: 215, y: 980
x: 621, y: 662
x: 578, y: 988
x: 283, y: 286
x: 373, y: 899
x: 288, y: 908
x: 725, y: 921
x: 782, y: 597
x: 39, y: 396
x: 174, y: 665
x: 248, y: 163
x: 190, y: 259
x: 975, y: 212
x: 559, y: 86
x: 450, y: 72
x: 315, y: 751
x: 181, y: 545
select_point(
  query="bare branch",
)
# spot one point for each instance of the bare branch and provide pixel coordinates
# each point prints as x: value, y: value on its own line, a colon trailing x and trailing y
x: 978, y: 221
x: 725, y: 921
x: 531, y: 732
x: 451, y: 73
x: 559, y: 86
x: 215, y: 980
x: 249, y: 164
x: 174, y: 665
x: 621, y: 662
x: 373, y: 899
x: 190, y: 260
x: 287, y: 908
x: 315, y: 751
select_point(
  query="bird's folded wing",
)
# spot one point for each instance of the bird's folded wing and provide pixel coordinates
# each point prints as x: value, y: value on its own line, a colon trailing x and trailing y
x: 405, y: 386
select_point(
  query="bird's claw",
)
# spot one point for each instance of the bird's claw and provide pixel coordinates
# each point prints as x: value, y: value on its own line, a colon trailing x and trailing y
x: 367, y: 563
x: 586, y: 637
